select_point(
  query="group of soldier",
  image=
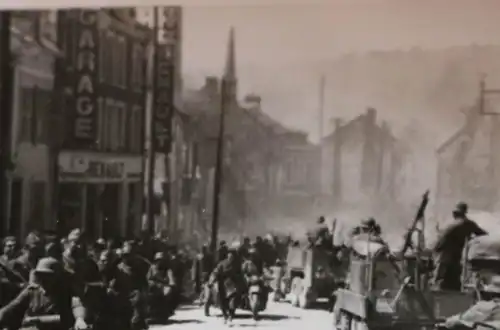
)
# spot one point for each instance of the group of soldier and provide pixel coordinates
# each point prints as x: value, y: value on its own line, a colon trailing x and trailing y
x: 68, y: 283
x: 63, y: 283
x: 233, y: 268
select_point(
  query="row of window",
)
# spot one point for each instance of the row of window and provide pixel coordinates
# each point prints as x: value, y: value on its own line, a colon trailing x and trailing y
x: 120, y: 126
x: 35, y: 106
x: 115, y: 63
x: 120, y: 60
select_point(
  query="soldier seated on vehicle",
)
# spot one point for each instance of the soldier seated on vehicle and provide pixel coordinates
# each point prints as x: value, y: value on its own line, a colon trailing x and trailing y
x: 321, y: 237
x: 46, y: 302
x: 485, y: 311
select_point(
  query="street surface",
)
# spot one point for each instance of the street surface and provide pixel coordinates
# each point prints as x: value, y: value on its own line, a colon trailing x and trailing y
x: 277, y: 316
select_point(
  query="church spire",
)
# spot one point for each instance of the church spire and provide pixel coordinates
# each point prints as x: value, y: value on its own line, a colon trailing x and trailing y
x: 230, y: 70
x: 230, y: 79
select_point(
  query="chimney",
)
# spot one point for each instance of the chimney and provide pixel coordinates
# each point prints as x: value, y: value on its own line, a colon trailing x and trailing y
x: 371, y: 115
x: 253, y: 101
x: 211, y: 87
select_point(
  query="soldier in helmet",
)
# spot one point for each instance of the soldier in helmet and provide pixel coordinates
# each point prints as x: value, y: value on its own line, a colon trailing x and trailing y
x: 449, y: 247
x: 46, y: 301
x: 229, y: 279
x: 320, y: 235
x: 34, y: 249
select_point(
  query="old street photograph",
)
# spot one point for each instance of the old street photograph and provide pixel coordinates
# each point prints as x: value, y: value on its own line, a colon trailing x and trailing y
x: 329, y: 165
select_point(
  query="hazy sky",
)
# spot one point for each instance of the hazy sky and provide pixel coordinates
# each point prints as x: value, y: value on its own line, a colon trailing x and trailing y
x: 280, y: 48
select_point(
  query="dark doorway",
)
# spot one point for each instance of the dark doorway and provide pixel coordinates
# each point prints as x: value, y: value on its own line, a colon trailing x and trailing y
x: 91, y: 212
x: 110, y: 199
x: 16, y: 207
x: 130, y: 220
x: 69, y: 210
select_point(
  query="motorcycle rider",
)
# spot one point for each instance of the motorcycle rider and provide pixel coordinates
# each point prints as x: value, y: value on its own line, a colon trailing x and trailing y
x: 227, y: 275
x: 253, y: 269
x: 161, y: 281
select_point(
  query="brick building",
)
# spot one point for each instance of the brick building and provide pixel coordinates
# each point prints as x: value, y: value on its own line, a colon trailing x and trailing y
x: 100, y: 158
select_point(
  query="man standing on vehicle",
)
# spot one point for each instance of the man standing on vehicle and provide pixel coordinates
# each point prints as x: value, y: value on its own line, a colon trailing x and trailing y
x: 449, y: 247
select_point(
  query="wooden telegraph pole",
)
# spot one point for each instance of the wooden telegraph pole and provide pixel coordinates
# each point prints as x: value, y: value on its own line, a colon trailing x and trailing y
x: 218, y: 168
x: 6, y: 90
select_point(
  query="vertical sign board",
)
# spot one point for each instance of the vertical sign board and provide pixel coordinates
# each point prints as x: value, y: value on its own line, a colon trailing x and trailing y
x: 85, y: 120
x: 165, y: 79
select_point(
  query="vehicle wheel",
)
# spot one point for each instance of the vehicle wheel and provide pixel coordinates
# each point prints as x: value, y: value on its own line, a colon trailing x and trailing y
x: 295, y: 290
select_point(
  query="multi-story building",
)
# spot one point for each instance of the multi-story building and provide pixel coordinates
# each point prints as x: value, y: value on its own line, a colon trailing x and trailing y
x: 467, y: 165
x: 361, y: 164
x: 100, y: 158
x: 256, y: 151
x: 34, y: 47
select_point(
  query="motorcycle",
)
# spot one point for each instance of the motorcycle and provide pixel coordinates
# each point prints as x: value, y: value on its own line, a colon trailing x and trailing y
x: 257, y: 296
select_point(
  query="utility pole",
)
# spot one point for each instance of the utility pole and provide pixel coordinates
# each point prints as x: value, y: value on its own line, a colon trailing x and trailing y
x: 321, y: 118
x: 152, y: 142
x: 492, y: 163
x: 218, y: 168
x: 6, y: 90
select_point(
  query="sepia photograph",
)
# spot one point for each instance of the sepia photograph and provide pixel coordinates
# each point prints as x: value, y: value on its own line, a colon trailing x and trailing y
x: 274, y: 164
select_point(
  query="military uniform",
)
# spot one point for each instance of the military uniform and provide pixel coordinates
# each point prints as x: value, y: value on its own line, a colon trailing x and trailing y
x: 40, y: 300
x: 449, y: 247
x: 229, y: 278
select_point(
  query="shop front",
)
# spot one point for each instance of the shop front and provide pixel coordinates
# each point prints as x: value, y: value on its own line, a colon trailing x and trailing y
x: 100, y: 193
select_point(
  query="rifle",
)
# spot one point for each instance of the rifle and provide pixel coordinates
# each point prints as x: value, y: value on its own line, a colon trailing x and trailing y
x: 418, y: 217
